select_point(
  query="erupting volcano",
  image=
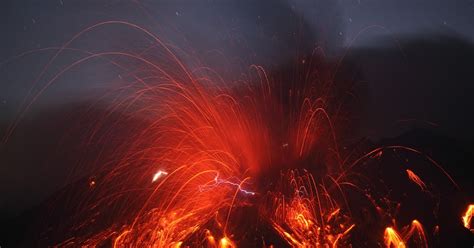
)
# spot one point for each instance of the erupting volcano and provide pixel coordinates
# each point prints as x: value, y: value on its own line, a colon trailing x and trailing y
x: 259, y: 161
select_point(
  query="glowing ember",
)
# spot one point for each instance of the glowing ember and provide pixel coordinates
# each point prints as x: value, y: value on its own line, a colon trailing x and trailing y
x: 416, y: 179
x: 392, y: 239
x: 158, y: 175
x: 413, y: 233
x: 466, y: 218
x: 226, y: 243
x: 306, y: 216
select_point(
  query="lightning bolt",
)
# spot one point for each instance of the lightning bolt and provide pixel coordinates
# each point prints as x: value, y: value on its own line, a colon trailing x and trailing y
x: 219, y: 181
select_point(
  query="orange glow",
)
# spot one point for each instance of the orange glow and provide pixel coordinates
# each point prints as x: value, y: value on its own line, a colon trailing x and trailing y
x: 211, y: 241
x: 304, y: 219
x: 416, y: 179
x: 226, y: 243
x: 467, y: 217
x: 393, y: 239
x: 413, y: 233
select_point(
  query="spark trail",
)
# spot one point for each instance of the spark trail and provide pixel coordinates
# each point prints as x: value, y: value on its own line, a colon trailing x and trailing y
x: 213, y: 139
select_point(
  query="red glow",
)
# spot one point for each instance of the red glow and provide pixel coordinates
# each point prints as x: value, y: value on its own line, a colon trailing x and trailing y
x: 210, y: 148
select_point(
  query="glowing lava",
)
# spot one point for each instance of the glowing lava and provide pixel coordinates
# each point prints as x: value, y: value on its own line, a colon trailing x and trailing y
x: 416, y: 179
x: 413, y: 233
x: 466, y: 218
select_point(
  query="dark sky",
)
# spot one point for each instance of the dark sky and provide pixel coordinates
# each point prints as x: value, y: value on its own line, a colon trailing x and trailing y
x: 400, y: 43
x: 408, y: 17
x: 260, y: 28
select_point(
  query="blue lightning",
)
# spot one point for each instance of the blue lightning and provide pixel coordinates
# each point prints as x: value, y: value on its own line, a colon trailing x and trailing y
x: 219, y: 181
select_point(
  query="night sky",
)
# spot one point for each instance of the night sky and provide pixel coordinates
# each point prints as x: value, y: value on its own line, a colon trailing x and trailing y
x: 252, y: 31
x: 414, y: 60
